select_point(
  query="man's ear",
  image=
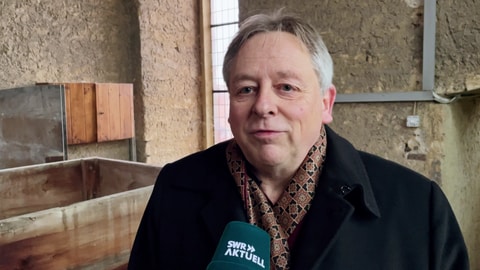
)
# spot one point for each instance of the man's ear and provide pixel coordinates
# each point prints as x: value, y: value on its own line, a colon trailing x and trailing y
x: 328, y: 101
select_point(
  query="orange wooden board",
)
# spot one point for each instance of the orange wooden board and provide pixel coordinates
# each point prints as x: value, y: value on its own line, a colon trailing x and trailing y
x: 114, y: 111
x: 80, y: 112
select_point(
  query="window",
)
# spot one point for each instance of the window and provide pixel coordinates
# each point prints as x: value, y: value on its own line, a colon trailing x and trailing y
x: 224, y: 24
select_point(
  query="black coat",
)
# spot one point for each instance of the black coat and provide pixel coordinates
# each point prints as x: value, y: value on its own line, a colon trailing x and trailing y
x: 368, y: 213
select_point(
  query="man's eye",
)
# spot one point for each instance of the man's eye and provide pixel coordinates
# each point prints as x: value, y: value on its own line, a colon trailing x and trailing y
x: 286, y: 87
x: 246, y: 90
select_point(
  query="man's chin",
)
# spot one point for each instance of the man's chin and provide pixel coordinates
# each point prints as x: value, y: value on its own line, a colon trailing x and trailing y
x: 268, y: 157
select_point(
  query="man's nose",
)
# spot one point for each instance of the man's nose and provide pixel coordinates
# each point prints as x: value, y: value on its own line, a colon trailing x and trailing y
x: 265, y: 102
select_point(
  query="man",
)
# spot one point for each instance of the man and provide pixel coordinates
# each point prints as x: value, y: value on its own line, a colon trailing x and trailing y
x: 324, y: 204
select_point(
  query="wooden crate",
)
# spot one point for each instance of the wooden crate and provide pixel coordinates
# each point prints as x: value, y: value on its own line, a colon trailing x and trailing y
x: 76, y: 214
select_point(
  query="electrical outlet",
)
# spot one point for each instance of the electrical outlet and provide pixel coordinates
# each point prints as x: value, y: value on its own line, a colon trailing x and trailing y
x: 413, y: 121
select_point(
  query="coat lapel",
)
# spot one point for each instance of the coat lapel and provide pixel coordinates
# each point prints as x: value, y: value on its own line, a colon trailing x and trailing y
x: 220, y: 196
x: 224, y: 204
x: 319, y: 230
x: 343, y: 188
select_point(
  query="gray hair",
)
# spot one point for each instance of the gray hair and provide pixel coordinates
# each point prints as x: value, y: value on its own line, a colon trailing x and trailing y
x: 277, y: 21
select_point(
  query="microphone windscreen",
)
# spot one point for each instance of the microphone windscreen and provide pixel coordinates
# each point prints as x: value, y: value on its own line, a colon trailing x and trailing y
x: 242, y: 246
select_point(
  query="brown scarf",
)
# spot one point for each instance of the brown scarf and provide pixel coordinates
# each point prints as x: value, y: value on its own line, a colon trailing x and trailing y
x: 280, y: 219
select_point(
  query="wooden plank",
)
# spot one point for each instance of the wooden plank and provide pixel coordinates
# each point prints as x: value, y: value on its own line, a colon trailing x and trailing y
x: 75, y: 114
x: 90, y: 109
x: 80, y: 112
x: 114, y: 111
x: 127, y: 126
x: 108, y: 107
x: 90, y: 178
x: 117, y: 176
x: 94, y: 234
x: 103, y: 119
x: 38, y: 187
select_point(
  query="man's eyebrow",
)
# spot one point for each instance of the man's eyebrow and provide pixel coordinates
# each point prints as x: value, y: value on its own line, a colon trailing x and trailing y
x: 288, y: 74
x: 280, y: 74
x: 242, y: 77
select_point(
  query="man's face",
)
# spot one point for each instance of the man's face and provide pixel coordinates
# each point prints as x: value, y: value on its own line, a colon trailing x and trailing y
x: 276, y: 104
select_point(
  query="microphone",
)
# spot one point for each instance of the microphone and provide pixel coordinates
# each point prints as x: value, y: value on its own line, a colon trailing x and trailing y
x: 243, y: 246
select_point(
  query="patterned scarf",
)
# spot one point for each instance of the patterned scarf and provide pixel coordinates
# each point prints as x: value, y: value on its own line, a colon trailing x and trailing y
x: 281, y: 219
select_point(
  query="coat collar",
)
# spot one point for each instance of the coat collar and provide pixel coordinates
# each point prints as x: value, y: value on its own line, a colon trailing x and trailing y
x: 345, y: 175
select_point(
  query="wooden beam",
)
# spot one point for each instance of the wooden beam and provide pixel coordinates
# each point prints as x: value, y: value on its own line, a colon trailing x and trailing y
x: 207, y: 85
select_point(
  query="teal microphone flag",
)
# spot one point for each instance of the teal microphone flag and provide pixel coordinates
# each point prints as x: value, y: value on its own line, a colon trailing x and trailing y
x: 243, y: 246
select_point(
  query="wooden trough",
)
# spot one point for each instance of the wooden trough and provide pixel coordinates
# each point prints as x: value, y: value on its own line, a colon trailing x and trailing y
x: 76, y: 214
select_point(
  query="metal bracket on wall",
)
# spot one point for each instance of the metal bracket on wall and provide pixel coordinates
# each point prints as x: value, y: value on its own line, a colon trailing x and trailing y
x: 428, y: 70
x: 386, y: 97
x: 64, y: 120
x: 132, y: 149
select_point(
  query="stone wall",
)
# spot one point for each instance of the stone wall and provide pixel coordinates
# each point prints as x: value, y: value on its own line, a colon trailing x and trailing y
x: 458, y: 44
x: 170, y: 84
